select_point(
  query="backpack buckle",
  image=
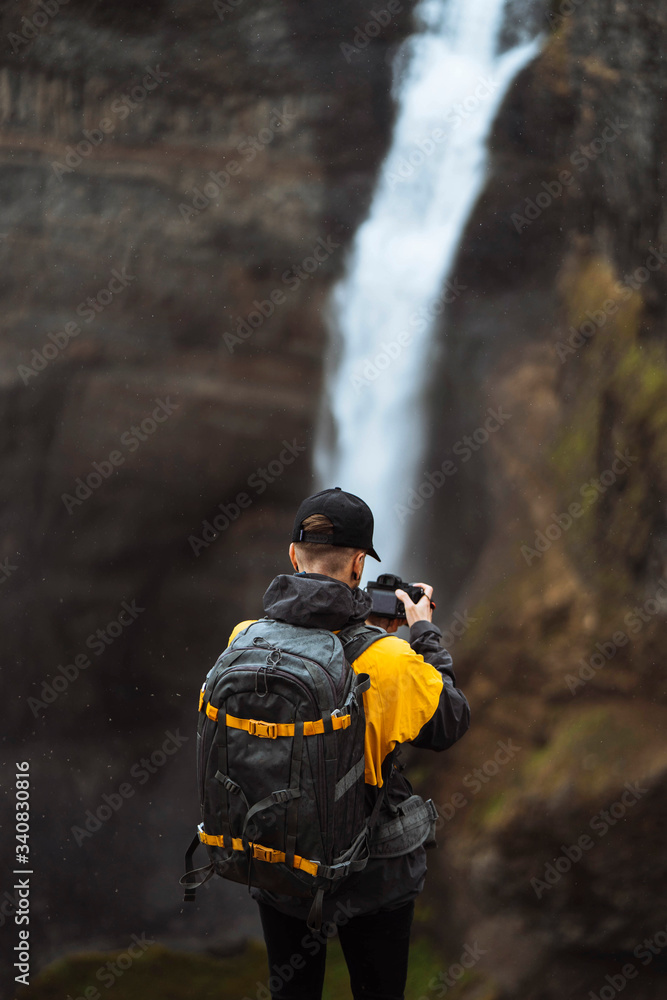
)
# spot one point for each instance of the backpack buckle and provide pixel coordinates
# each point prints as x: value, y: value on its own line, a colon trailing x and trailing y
x: 264, y: 853
x: 267, y: 729
x: 285, y: 795
x: 334, y: 872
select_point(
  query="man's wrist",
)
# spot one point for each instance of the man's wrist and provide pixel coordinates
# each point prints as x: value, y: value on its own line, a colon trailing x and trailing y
x: 421, y: 627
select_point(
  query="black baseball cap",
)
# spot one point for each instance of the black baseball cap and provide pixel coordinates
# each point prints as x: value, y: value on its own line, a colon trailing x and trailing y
x: 352, y: 520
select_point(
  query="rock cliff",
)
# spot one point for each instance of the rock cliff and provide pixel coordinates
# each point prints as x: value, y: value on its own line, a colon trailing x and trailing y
x: 178, y: 186
x: 553, y: 804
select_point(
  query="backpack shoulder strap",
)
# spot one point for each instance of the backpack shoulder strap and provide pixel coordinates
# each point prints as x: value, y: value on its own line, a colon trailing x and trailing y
x: 357, y: 638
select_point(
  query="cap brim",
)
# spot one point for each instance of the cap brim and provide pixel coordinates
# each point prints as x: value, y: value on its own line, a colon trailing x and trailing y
x: 373, y: 553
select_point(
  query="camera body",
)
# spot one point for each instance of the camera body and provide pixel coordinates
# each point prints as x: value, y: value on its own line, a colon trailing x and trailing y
x: 385, y: 602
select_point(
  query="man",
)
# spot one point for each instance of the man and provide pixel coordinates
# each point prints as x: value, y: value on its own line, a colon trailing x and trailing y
x: 412, y: 699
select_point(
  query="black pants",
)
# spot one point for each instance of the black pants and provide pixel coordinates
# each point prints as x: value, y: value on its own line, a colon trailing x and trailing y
x: 375, y: 948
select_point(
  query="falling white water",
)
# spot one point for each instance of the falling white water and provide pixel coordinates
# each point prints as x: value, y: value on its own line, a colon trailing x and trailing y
x: 371, y: 435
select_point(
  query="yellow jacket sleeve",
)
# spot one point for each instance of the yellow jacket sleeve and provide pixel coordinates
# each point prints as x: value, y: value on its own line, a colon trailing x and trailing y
x: 404, y: 694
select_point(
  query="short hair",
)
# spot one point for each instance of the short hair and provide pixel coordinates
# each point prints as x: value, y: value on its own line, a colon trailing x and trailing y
x: 329, y: 560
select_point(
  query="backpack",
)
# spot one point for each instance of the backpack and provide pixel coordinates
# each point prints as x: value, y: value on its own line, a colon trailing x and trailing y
x: 280, y: 762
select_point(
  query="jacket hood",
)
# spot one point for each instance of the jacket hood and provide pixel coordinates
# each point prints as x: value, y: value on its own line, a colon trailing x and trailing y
x: 315, y: 601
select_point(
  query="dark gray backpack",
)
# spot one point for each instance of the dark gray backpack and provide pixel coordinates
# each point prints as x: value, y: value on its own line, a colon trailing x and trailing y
x: 280, y: 761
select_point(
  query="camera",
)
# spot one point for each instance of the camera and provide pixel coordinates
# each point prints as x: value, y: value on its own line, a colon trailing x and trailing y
x: 385, y: 602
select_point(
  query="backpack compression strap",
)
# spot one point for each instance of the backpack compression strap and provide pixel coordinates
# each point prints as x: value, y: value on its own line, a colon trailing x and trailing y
x: 271, y: 730
x: 355, y: 858
x: 189, y: 879
x: 357, y: 638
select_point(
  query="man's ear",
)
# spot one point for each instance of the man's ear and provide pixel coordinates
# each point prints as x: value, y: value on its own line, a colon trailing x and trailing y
x: 358, y: 565
x: 292, y: 556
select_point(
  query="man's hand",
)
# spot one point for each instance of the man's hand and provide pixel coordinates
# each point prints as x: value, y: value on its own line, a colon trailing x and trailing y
x: 421, y: 611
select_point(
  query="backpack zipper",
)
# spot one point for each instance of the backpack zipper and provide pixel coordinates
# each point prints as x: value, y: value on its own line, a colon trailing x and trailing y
x: 274, y: 670
x: 297, y: 656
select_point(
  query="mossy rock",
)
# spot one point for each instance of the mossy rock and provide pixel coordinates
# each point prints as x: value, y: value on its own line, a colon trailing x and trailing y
x: 593, y: 751
x: 164, y: 974
x: 617, y: 379
x: 614, y: 391
x: 159, y: 973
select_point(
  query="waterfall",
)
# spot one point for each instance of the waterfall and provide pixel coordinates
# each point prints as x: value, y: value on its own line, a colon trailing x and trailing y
x: 371, y: 434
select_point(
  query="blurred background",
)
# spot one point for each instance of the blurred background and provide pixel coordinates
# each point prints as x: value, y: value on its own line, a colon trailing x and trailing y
x: 252, y: 248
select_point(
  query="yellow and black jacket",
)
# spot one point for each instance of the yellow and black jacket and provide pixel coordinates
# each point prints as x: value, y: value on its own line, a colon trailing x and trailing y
x: 412, y: 698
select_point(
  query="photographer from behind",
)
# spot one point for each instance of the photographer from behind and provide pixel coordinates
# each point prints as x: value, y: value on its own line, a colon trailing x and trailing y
x: 412, y: 699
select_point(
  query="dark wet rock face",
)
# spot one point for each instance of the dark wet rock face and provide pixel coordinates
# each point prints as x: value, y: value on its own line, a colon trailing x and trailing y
x: 178, y: 186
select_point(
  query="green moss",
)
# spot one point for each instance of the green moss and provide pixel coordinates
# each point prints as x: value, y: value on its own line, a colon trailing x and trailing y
x: 592, y: 750
x: 601, y: 730
x: 161, y: 974
x: 576, y: 447
x: 487, y: 811
x: 619, y: 404
x: 418, y: 774
x: 616, y: 387
x: 642, y: 374
x: 425, y: 914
